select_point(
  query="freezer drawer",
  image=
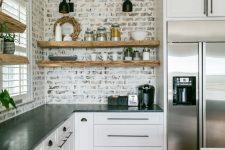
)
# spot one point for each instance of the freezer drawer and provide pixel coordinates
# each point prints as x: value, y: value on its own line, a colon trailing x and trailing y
x: 128, y: 135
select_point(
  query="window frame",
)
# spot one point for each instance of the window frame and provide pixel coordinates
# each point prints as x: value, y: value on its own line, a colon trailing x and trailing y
x: 28, y: 97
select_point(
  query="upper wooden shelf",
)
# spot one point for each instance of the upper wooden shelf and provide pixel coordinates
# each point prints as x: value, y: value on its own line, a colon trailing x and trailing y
x: 10, y: 59
x: 14, y: 25
x: 98, y: 44
x: 149, y: 63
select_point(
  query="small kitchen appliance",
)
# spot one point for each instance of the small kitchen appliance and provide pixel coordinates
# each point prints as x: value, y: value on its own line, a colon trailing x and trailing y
x: 146, y: 95
x: 132, y: 100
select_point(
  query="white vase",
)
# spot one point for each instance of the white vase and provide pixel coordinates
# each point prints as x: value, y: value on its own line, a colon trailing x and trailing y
x: 58, y: 33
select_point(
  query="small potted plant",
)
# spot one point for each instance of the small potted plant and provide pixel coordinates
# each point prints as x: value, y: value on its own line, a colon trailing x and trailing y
x: 128, y: 53
x: 6, y: 99
x: 9, y: 43
x: 9, y: 39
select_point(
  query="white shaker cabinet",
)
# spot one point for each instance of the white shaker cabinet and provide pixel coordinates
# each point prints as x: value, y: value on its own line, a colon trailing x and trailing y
x: 119, y: 131
x: 84, y: 131
x: 195, y: 8
x: 185, y: 8
x: 216, y: 8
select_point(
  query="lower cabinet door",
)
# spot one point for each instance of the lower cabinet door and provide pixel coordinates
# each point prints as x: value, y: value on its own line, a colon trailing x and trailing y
x: 84, y: 131
x: 128, y: 135
x: 128, y: 148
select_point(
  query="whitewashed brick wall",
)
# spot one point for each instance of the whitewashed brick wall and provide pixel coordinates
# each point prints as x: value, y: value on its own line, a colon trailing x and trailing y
x: 94, y: 85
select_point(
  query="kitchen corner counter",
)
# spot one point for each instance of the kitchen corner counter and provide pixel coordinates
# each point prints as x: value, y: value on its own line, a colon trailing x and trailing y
x: 26, y: 131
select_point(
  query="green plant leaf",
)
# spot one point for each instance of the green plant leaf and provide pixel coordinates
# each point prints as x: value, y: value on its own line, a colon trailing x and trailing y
x: 5, y: 99
x: 11, y: 101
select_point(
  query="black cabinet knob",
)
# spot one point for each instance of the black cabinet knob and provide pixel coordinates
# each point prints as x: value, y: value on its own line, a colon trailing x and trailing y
x: 83, y: 119
x: 50, y: 143
x: 64, y: 129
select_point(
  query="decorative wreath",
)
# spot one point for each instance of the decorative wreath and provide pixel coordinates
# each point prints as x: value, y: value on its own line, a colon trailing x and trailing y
x: 73, y: 22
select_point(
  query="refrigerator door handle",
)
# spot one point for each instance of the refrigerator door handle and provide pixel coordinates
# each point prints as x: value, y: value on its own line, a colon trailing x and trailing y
x: 200, y: 106
x: 204, y: 94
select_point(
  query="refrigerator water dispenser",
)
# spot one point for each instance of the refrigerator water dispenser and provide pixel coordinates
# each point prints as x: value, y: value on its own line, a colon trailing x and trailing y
x: 184, y: 90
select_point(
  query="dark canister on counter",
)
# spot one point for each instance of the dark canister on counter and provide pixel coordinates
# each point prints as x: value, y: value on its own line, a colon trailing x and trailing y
x: 146, y: 94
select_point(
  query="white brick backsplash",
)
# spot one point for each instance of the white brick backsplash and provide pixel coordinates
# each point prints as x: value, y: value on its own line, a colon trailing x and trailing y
x: 94, y: 85
x: 86, y: 85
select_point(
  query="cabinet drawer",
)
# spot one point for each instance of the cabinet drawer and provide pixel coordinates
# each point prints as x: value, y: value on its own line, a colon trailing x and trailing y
x: 128, y: 118
x: 50, y: 142
x: 65, y: 129
x: 128, y: 135
x: 128, y: 148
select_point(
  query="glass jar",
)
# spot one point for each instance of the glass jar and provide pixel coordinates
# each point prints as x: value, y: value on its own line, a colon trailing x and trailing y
x: 115, y: 32
x: 101, y: 34
x: 89, y: 35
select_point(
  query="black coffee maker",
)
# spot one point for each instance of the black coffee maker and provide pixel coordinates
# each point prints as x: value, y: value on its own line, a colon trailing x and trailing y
x: 146, y: 94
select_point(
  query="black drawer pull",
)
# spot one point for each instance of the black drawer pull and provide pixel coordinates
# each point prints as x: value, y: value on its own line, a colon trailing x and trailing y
x: 50, y: 143
x: 64, y: 141
x: 84, y: 120
x: 70, y: 133
x: 142, y: 136
x: 64, y: 129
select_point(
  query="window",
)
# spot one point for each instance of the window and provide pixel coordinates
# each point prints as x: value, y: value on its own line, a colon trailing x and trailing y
x: 15, y: 77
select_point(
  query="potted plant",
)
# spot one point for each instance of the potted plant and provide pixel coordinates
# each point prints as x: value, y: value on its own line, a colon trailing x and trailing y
x: 9, y: 43
x: 6, y: 100
x: 9, y: 39
x: 128, y: 53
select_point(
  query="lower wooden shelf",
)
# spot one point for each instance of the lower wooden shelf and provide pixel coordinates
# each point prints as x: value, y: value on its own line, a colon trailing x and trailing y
x: 10, y: 59
x: 149, y: 63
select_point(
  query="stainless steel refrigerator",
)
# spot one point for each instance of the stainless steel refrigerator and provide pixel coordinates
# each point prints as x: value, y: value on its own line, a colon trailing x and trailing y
x: 196, y: 85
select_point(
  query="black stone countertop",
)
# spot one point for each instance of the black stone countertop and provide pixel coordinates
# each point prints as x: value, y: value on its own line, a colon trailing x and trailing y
x: 26, y: 131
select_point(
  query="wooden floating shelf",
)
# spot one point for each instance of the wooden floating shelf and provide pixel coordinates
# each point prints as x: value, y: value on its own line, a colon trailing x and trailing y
x: 14, y: 25
x: 98, y: 44
x: 10, y: 59
x: 46, y: 63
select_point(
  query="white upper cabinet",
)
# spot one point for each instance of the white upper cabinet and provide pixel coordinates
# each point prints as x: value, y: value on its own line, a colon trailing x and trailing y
x: 185, y: 8
x: 195, y: 8
x: 216, y: 8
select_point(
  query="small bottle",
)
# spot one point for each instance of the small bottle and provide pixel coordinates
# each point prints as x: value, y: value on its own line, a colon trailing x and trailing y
x: 146, y: 54
x: 58, y: 33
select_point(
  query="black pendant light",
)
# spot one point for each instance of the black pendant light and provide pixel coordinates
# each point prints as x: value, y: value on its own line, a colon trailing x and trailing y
x: 127, y: 6
x: 64, y: 7
x: 71, y: 6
